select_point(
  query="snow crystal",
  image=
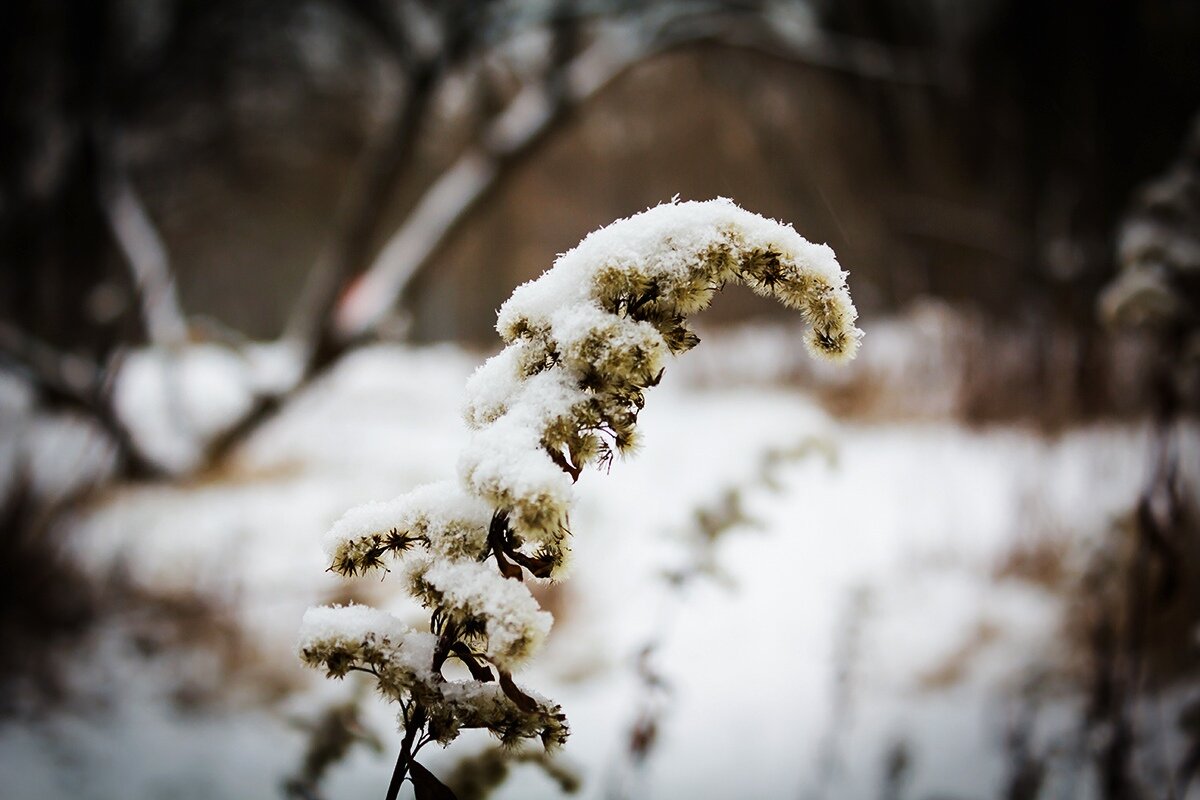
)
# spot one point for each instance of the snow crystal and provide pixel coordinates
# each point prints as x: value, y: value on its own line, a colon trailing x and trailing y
x: 506, y: 461
x: 364, y: 521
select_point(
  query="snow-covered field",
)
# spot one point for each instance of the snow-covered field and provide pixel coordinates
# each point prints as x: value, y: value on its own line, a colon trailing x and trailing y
x: 863, y: 610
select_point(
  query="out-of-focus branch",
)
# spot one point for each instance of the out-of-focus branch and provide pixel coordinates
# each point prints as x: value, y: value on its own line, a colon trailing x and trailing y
x: 383, y: 164
x: 537, y: 109
x: 337, y: 309
x: 64, y: 377
x: 387, y: 156
x: 385, y: 160
x: 805, y: 44
x: 146, y: 254
x: 75, y: 382
x: 514, y: 132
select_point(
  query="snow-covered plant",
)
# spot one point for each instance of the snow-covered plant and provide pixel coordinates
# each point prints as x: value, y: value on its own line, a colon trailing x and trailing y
x: 583, y: 344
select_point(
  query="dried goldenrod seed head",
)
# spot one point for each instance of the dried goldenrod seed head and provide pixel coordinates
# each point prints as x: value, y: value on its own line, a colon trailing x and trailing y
x: 472, y: 596
x: 585, y: 342
x: 339, y: 639
x: 440, y: 516
x: 486, y: 705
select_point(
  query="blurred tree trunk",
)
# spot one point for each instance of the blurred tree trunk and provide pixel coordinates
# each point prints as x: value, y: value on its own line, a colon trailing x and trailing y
x: 55, y: 246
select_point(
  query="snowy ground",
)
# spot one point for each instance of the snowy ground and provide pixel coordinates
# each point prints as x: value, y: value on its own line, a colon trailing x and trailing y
x: 863, y: 610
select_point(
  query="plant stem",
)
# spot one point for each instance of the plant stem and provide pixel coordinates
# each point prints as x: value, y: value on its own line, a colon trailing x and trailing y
x: 415, y: 723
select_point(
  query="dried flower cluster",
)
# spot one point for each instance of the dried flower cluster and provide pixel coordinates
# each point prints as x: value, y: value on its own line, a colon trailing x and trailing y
x: 584, y: 343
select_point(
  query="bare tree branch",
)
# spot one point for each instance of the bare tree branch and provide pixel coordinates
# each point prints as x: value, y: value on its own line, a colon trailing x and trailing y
x: 385, y: 161
x: 335, y: 308
x: 146, y: 253
x: 537, y: 109
x: 69, y: 377
x: 443, y: 207
x: 387, y: 156
x: 765, y: 33
x: 75, y: 382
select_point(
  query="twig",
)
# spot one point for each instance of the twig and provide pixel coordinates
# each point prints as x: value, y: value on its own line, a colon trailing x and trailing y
x: 76, y: 382
x: 146, y: 254
x: 413, y: 722
x: 386, y: 159
x: 473, y: 176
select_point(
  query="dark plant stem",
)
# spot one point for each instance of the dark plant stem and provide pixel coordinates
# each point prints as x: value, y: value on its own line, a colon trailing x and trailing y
x: 416, y: 722
x: 415, y: 717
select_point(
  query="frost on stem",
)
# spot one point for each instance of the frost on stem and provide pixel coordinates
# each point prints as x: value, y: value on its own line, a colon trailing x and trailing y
x: 584, y: 343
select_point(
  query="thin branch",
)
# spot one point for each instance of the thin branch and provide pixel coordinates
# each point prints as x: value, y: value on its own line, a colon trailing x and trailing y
x: 386, y: 159
x: 444, y: 206
x: 75, y: 382
x: 854, y: 56
x: 412, y: 723
x: 383, y: 162
x: 146, y: 254
x: 66, y: 377
x: 436, y: 215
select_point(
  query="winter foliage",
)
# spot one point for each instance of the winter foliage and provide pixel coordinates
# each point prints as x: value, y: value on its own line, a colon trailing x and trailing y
x: 584, y: 343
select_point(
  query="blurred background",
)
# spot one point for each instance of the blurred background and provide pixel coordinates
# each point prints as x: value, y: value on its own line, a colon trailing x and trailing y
x: 250, y: 250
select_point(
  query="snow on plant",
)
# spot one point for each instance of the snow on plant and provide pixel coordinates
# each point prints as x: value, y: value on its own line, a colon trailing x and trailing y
x: 584, y: 343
